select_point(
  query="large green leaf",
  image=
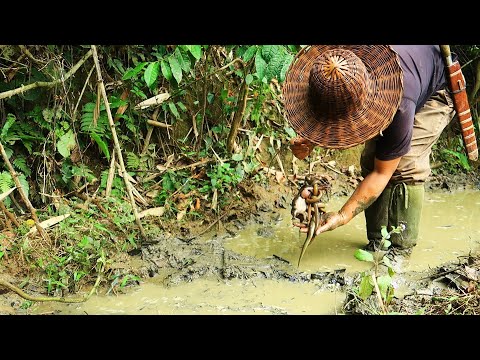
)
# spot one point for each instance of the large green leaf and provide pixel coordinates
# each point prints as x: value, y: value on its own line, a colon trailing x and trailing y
x: 366, y: 287
x: 151, y: 73
x: 384, y: 282
x: 173, y: 109
x: 184, y: 61
x: 166, y: 71
x: 21, y: 164
x: 363, y: 255
x: 286, y: 65
x: 66, y: 143
x: 385, y: 233
x: 260, y: 65
x: 272, y: 62
x: 176, y: 68
x: 249, y: 53
x: 195, y: 50
x: 274, y: 55
x: 132, y: 72
x: 270, y: 51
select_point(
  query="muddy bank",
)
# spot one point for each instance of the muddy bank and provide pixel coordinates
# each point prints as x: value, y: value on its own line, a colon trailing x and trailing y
x: 179, y: 257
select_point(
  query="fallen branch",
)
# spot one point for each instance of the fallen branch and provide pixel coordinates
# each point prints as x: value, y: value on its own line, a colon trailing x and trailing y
x: 23, y: 194
x: 156, y: 100
x: 6, y: 193
x: 158, y: 124
x: 30, y: 56
x: 28, y: 297
x: 150, y: 132
x: 49, y: 222
x: 22, y: 89
x: 123, y: 171
x: 379, y: 295
x: 9, y: 215
x: 111, y: 176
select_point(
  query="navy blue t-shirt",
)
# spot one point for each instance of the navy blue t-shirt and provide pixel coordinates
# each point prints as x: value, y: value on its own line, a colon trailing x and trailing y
x: 423, y: 75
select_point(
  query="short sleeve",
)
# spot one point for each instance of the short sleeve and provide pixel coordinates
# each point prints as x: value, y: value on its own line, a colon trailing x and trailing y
x: 397, y: 137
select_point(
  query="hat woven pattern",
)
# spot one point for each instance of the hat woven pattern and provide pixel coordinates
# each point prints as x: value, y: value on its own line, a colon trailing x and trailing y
x: 353, y: 110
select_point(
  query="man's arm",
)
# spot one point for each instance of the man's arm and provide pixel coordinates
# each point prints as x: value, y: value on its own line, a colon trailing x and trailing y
x: 364, y: 195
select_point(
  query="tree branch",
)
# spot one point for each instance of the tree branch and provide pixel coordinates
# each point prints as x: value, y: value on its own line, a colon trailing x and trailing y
x: 22, y: 89
x: 116, y: 142
x: 19, y: 186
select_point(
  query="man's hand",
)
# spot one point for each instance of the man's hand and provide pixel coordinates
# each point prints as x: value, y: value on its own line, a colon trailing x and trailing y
x: 331, y: 221
x: 301, y: 147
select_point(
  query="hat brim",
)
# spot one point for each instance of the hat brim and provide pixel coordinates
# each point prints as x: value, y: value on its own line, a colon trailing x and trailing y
x: 341, y: 132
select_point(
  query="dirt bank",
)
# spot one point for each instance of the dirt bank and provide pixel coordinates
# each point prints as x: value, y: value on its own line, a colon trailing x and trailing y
x: 185, y: 253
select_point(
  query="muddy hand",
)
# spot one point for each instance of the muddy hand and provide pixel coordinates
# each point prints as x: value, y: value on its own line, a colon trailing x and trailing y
x: 331, y: 221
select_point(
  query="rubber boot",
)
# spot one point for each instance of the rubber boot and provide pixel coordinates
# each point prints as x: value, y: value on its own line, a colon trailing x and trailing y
x: 376, y: 216
x: 406, y: 203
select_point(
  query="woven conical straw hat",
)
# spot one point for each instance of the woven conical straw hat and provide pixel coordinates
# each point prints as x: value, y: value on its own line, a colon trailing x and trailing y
x: 338, y: 96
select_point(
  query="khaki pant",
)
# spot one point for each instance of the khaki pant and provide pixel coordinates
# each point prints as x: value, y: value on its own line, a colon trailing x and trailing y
x: 401, y: 202
x: 431, y: 119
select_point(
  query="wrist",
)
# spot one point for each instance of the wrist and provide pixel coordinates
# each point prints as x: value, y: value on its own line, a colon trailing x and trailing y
x: 343, y: 217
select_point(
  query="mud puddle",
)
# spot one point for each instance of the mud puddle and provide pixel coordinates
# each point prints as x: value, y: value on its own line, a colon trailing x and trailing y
x: 253, y: 271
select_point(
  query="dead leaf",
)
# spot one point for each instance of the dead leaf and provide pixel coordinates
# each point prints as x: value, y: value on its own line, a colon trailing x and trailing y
x: 47, y: 223
x: 214, y: 200
x: 158, y: 211
x: 6, y: 193
x: 152, y: 194
x: 279, y: 176
x: 156, y: 100
x: 471, y: 273
x: 122, y: 108
x: 181, y: 214
x: 197, y: 204
x: 294, y: 166
x: 351, y: 170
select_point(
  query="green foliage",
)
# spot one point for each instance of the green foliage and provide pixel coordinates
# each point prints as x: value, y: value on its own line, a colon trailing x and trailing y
x: 65, y: 271
x: 66, y: 143
x: 223, y: 177
x: 272, y: 62
x: 20, y: 163
x: 151, y: 74
x: 456, y: 159
x: 371, y: 277
x: 97, y: 127
x: 6, y: 183
x: 133, y: 161
x: 71, y: 175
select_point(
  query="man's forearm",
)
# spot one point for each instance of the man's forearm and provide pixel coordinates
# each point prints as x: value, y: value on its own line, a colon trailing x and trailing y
x: 365, y: 195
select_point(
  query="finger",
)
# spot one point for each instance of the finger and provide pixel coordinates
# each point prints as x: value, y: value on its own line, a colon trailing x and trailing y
x: 323, y: 228
x: 306, y: 192
x: 300, y: 225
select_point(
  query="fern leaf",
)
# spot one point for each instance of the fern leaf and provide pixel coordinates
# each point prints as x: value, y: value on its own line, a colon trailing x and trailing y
x: 133, y: 161
x: 20, y: 163
x: 24, y: 183
x: 6, y: 181
x: 101, y: 144
x: 8, y: 124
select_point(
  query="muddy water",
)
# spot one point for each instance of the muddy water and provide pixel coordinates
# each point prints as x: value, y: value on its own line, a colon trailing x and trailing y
x: 449, y: 228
